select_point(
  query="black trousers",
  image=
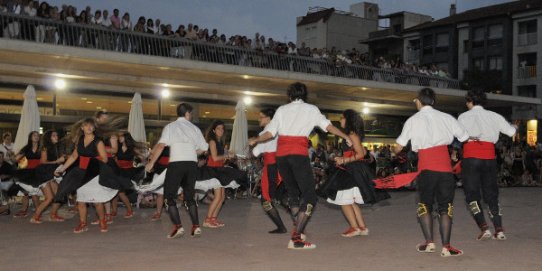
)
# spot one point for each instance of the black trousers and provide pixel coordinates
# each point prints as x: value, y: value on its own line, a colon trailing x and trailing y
x: 480, y: 182
x: 296, y: 173
x: 439, y: 186
x: 180, y: 174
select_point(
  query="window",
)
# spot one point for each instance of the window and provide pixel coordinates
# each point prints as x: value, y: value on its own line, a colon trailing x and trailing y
x: 428, y: 45
x: 495, y: 35
x: 466, y: 44
x: 495, y: 63
x: 495, y: 31
x: 527, y: 33
x: 527, y: 91
x: 397, y: 29
x: 478, y: 63
x: 443, y: 41
x: 478, y: 37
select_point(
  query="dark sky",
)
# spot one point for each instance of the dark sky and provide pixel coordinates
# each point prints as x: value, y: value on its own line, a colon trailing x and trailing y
x: 272, y: 18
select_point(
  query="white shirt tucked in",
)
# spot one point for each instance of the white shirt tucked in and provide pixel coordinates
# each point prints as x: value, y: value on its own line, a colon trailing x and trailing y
x: 267, y: 146
x: 184, y: 139
x: 485, y: 125
x: 297, y: 119
x: 430, y: 128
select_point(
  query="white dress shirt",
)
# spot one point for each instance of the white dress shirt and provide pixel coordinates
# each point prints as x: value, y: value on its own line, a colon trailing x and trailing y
x: 267, y: 146
x: 184, y: 139
x: 485, y: 125
x: 430, y: 128
x: 297, y: 119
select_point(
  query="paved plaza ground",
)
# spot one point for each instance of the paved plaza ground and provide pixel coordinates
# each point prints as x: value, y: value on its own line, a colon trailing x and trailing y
x: 138, y: 244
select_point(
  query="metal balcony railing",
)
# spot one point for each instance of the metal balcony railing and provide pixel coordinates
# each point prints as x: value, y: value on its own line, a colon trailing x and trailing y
x: 527, y: 39
x: 100, y: 38
x: 527, y: 72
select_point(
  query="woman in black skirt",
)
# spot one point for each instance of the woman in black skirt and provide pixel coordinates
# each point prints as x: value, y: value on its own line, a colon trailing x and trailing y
x: 352, y: 184
x: 129, y: 150
x: 51, y: 158
x: 27, y: 175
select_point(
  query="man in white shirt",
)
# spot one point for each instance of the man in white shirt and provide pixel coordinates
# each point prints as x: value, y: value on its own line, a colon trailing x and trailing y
x: 293, y: 123
x: 479, y: 168
x: 270, y: 178
x: 185, y: 141
x: 430, y: 132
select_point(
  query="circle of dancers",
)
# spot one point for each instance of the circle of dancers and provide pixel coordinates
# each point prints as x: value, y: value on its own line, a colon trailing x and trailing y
x: 99, y: 164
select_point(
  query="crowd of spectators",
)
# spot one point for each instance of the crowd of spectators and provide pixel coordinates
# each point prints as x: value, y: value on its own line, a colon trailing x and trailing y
x: 335, y: 60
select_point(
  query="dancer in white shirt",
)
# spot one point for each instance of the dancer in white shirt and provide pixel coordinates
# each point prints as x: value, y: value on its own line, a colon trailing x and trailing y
x: 479, y: 168
x: 186, y: 142
x: 430, y: 132
x: 293, y: 123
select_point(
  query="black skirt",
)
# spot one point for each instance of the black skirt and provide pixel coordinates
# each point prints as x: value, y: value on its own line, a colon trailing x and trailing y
x: 226, y: 175
x: 76, y: 177
x: 113, y: 177
x: 355, y: 174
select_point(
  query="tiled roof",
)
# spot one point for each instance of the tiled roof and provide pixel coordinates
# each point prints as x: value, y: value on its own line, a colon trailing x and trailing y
x: 483, y: 12
x: 316, y: 16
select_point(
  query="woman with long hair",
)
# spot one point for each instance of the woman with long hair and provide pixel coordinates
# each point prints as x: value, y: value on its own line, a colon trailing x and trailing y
x: 228, y: 177
x: 29, y: 156
x: 51, y: 158
x: 91, y: 154
x: 352, y: 183
x: 129, y: 152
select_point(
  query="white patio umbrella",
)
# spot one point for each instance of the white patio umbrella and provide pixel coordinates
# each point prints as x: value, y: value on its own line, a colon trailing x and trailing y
x: 136, y: 123
x: 30, y: 118
x: 239, y: 137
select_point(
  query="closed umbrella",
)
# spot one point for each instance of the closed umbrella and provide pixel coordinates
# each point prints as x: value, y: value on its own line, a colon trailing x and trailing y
x: 136, y: 123
x: 30, y: 118
x: 239, y: 137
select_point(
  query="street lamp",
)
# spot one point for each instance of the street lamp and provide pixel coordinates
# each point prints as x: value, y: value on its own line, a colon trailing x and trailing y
x: 247, y: 100
x: 60, y: 85
x: 365, y: 110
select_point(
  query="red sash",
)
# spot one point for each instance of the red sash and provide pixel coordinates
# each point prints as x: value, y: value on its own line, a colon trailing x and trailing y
x: 433, y: 159
x: 269, y: 158
x: 348, y: 154
x: 292, y: 145
x: 125, y: 164
x: 213, y: 163
x: 164, y: 160
x: 479, y: 150
x: 85, y: 160
x: 33, y: 163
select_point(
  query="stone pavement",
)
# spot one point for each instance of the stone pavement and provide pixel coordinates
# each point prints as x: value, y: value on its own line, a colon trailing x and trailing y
x: 138, y: 244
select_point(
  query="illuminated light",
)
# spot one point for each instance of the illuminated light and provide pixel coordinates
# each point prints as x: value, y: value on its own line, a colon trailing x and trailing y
x: 129, y: 102
x: 39, y: 99
x: 246, y: 77
x: 84, y: 99
x: 89, y: 102
x: 41, y: 131
x: 365, y: 110
x: 98, y: 107
x: 165, y: 85
x: 364, y: 88
x: 207, y: 112
x: 365, y: 104
x: 172, y: 105
x: 246, y: 92
x: 247, y: 100
x: 60, y: 84
x: 165, y: 93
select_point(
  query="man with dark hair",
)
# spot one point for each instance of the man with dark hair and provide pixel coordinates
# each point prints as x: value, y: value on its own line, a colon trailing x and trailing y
x: 479, y: 167
x: 430, y: 132
x: 270, y: 178
x: 293, y: 123
x: 186, y: 142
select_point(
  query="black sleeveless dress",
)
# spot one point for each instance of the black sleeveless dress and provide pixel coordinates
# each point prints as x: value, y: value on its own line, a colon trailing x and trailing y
x: 46, y: 172
x: 345, y: 178
x: 28, y: 174
x: 82, y: 171
x: 225, y: 174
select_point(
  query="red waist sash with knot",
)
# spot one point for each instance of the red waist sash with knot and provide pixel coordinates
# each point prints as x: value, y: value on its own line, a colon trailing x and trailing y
x: 479, y: 149
x: 269, y: 158
x: 213, y: 163
x: 33, y: 163
x: 433, y: 159
x: 292, y: 145
x: 347, y: 154
x: 125, y: 164
x: 164, y: 160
